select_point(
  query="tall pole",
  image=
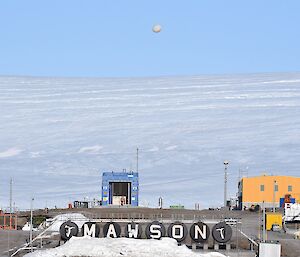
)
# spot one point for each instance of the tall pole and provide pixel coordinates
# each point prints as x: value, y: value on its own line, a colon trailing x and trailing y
x: 264, y: 223
x: 31, y: 206
x: 10, y: 204
x: 274, y: 196
x: 225, y: 183
x: 10, y: 216
x: 137, y: 160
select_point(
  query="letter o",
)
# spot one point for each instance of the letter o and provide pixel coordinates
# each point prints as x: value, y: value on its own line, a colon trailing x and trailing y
x: 175, y: 227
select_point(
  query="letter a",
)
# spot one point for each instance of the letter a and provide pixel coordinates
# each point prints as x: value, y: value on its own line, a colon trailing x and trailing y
x: 111, y: 232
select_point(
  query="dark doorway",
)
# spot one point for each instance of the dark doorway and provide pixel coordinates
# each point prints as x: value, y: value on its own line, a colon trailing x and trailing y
x: 120, y: 193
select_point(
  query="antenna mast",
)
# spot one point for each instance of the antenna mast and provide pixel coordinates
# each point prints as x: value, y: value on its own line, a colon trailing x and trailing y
x: 137, y: 159
x: 10, y: 196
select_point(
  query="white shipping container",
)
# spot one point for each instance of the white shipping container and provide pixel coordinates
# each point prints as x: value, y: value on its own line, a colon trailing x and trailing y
x: 268, y: 250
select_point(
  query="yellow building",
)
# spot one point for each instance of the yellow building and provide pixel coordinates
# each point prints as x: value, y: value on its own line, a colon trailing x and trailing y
x: 268, y: 189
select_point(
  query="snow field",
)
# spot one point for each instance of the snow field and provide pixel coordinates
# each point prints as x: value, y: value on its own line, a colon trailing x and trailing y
x: 113, y: 247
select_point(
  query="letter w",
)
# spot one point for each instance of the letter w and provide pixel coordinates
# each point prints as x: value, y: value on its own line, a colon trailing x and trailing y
x: 133, y: 232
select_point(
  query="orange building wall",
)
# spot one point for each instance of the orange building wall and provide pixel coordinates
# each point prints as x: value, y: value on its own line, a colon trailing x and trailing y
x: 251, y: 192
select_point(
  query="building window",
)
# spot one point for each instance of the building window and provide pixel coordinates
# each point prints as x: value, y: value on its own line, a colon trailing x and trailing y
x: 290, y: 188
x: 276, y: 188
x: 262, y: 188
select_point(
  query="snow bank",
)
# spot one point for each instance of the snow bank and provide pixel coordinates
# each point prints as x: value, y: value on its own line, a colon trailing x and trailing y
x: 56, y: 222
x: 111, y: 247
x: 26, y: 227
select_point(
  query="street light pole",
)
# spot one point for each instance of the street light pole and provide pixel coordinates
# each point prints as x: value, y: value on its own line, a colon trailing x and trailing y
x: 264, y: 223
x: 274, y: 195
x: 10, y: 204
x: 31, y: 206
x: 225, y: 183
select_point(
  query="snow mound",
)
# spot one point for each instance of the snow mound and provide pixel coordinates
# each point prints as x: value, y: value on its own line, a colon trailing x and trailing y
x: 111, y: 247
x: 26, y: 227
x: 56, y: 222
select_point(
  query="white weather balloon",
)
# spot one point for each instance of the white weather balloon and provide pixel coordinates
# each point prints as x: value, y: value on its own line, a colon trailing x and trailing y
x: 156, y: 28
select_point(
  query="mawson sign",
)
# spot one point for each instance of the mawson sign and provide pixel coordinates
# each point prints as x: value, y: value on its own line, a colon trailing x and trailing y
x: 199, y: 232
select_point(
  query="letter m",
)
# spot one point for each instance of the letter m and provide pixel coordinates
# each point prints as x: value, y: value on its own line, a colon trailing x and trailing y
x: 89, y: 231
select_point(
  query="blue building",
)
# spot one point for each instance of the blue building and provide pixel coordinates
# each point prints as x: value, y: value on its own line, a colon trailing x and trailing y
x: 120, y: 188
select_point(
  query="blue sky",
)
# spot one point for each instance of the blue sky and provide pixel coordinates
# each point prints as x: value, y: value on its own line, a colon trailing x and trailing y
x: 114, y: 38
